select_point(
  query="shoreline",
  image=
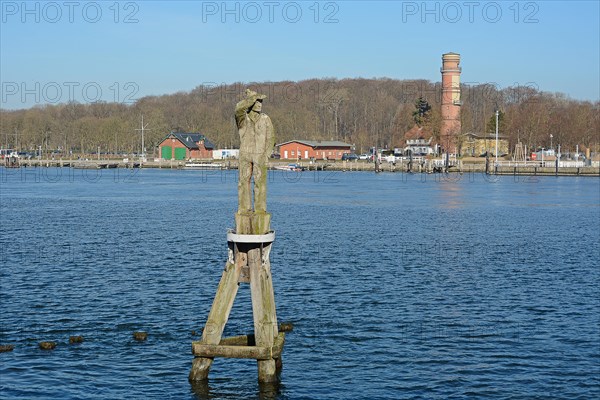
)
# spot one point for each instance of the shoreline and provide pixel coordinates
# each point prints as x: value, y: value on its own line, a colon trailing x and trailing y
x: 341, y: 166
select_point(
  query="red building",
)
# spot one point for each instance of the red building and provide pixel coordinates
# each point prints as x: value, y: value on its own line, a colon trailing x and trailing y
x: 319, y: 150
x: 183, y: 146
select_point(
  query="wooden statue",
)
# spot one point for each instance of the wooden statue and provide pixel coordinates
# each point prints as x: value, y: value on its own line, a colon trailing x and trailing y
x: 248, y: 261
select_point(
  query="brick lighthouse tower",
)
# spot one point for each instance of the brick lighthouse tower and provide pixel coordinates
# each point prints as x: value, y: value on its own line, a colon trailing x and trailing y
x: 450, y: 101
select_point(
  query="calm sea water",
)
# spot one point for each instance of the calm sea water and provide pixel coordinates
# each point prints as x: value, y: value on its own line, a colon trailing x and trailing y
x: 399, y: 286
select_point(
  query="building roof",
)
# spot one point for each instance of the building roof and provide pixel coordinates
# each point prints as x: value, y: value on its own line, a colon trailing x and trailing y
x: 190, y: 140
x: 417, y: 132
x: 319, y: 143
x: 484, y: 136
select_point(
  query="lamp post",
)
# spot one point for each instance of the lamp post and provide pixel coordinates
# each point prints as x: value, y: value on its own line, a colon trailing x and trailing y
x: 497, y: 112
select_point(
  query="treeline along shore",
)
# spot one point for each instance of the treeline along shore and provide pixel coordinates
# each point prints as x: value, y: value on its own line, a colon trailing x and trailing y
x: 363, y: 112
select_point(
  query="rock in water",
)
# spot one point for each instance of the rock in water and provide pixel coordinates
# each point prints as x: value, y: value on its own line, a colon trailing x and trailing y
x: 75, y: 339
x: 6, y: 348
x: 286, y: 327
x: 47, y: 345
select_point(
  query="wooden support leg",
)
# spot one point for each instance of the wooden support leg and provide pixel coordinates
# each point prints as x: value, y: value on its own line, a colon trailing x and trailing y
x: 263, y: 308
x: 278, y: 365
x: 219, y: 313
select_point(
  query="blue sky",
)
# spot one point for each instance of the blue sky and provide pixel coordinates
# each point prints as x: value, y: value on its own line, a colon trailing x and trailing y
x: 121, y: 51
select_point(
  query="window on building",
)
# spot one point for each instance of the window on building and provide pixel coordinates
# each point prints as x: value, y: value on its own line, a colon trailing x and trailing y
x: 292, y: 152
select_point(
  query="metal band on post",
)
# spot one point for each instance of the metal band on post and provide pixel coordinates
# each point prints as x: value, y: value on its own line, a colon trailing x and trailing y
x: 237, y: 238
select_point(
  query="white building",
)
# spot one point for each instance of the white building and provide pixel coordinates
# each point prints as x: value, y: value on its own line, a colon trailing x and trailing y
x: 419, y: 142
x: 224, y: 154
x: 421, y: 147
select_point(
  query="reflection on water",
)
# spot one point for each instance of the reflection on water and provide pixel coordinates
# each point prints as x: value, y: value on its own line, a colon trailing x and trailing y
x: 220, y: 388
x: 450, y: 195
x: 399, y: 286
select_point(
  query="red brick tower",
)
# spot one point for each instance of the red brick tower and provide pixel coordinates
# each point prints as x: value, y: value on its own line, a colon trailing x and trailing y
x: 450, y: 101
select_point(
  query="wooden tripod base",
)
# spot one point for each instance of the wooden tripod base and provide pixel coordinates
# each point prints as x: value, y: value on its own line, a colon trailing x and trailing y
x: 248, y: 262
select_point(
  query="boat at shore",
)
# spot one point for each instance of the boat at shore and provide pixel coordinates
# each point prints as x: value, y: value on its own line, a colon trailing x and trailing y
x: 290, y: 167
x: 202, y: 166
x: 108, y: 166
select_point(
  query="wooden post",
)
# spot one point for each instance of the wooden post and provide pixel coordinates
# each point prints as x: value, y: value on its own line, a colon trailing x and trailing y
x: 250, y: 253
x: 263, y: 308
x: 218, y: 316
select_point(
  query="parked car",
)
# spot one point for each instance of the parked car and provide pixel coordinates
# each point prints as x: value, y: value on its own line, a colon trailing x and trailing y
x: 349, y: 157
x: 276, y: 156
x: 364, y: 156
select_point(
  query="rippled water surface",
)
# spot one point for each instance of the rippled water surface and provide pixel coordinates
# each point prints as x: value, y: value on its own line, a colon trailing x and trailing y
x: 399, y: 286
